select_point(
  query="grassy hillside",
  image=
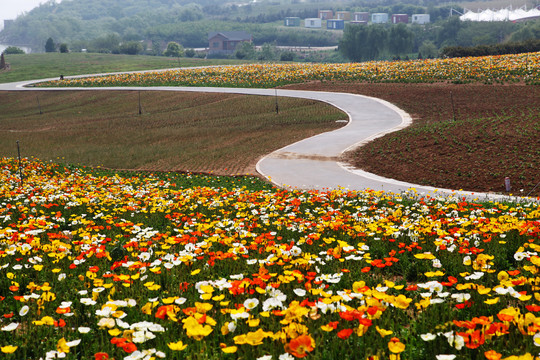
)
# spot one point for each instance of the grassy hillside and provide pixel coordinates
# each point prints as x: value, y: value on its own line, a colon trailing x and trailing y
x: 50, y: 65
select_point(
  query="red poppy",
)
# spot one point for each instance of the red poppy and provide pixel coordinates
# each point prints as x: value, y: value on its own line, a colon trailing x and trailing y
x: 162, y: 311
x: 129, y: 347
x: 118, y: 341
x: 473, y: 340
x: 333, y: 324
x: 345, y: 333
x: 101, y: 356
x: 412, y: 287
x: 534, y: 308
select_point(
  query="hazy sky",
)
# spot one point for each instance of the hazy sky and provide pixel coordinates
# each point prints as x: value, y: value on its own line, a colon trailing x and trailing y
x: 10, y: 9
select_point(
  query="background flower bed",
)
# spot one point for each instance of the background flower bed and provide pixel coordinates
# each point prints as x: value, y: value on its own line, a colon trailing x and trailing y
x: 134, y: 265
x: 487, y: 69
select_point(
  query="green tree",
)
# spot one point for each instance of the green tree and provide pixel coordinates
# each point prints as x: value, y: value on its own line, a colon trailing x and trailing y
x: 50, y: 46
x: 190, y: 53
x: 353, y: 43
x: 131, y: 48
x: 400, y: 39
x: 529, y: 31
x: 2, y: 62
x: 428, y: 50
x: 267, y: 52
x: 246, y: 51
x: 107, y: 43
x: 448, y: 32
x: 376, y: 41
x: 13, y: 50
x: 286, y: 56
x: 64, y: 48
x: 174, y: 50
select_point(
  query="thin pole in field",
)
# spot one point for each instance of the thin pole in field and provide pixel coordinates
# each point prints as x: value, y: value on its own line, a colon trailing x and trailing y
x: 140, y: 107
x: 39, y: 106
x: 277, y: 104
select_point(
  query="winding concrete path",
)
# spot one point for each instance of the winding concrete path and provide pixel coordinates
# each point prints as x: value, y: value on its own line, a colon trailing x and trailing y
x: 313, y: 163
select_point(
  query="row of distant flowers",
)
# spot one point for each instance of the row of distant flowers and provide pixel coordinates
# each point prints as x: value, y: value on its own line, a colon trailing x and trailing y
x: 488, y: 69
x: 138, y: 268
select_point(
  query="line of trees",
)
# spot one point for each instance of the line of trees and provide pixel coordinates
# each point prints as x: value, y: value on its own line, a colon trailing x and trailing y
x: 376, y: 41
x: 50, y: 46
x: 360, y: 42
x: 498, y: 49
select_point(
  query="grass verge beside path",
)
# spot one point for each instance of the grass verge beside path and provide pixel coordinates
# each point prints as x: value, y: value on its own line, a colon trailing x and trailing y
x: 219, y: 133
x: 42, y: 66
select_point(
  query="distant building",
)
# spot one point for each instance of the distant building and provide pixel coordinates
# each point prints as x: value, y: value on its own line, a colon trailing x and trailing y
x: 335, y: 24
x: 420, y: 19
x: 358, y: 22
x: 343, y: 15
x: 400, y: 18
x: 291, y: 21
x: 326, y: 14
x: 226, y: 42
x: 313, y: 23
x: 379, y: 18
x: 361, y: 16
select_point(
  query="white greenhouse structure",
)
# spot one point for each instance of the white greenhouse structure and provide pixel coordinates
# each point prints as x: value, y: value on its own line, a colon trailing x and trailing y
x: 500, y: 15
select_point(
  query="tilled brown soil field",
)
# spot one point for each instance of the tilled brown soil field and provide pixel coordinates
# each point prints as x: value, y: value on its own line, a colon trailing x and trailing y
x: 222, y: 134
x: 466, y: 136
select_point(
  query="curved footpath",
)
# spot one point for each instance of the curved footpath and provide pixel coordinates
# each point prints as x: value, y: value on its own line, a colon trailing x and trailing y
x: 313, y: 163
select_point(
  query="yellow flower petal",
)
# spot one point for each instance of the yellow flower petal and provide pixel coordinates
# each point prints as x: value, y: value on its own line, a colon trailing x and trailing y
x: 9, y: 349
x: 229, y: 349
x: 177, y: 346
x: 115, y: 332
x: 492, y: 301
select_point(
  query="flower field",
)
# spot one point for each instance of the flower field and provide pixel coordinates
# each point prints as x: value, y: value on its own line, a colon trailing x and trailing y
x: 168, y: 266
x: 488, y: 69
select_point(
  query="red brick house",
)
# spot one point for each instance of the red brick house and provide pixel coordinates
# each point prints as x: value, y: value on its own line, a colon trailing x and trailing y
x: 226, y: 42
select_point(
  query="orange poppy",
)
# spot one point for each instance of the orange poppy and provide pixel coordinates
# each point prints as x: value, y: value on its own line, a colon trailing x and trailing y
x: 300, y: 346
x: 492, y: 355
